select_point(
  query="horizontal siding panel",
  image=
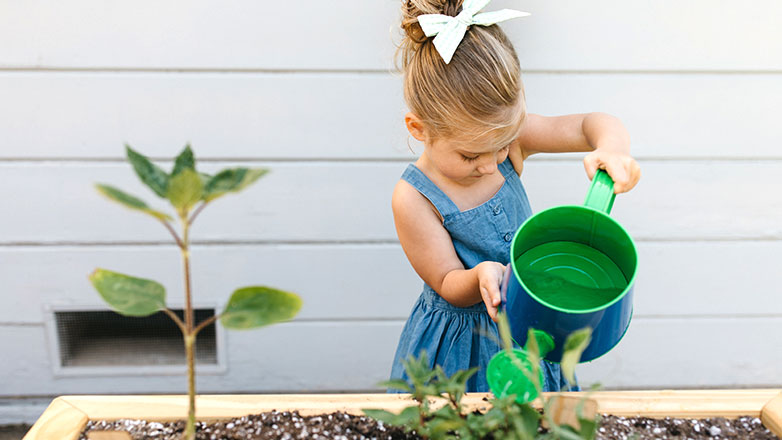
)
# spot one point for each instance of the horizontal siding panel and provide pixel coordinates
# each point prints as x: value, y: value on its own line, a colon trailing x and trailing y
x: 692, y: 353
x: 357, y: 116
x: 301, y: 357
x: 331, y: 202
x: 334, y: 281
x: 564, y: 35
x: 682, y: 200
x: 373, y: 282
x: 355, y: 356
x: 206, y: 34
x: 708, y: 278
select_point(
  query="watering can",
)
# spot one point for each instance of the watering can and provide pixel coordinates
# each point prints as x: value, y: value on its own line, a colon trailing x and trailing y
x: 572, y: 267
x: 512, y: 372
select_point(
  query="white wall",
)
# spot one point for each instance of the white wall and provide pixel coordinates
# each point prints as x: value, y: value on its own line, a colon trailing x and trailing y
x: 306, y: 90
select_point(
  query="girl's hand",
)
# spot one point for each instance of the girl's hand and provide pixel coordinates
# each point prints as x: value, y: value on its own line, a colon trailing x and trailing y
x: 489, y: 279
x: 622, y: 168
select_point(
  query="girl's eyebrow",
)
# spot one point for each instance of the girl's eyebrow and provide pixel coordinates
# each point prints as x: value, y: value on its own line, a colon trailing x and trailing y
x: 462, y: 150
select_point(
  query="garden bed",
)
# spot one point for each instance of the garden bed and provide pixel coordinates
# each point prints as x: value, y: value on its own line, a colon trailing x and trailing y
x: 67, y: 416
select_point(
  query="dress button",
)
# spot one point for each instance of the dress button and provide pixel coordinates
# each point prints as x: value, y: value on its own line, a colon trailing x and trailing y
x: 497, y: 209
x: 508, y: 236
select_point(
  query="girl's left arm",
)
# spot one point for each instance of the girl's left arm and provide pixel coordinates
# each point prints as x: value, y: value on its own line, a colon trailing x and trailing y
x: 603, y: 135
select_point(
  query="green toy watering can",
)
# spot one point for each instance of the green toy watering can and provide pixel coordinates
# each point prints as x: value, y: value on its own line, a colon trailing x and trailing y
x: 572, y: 267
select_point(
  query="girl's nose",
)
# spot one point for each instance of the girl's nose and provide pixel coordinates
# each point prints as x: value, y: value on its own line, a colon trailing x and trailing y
x: 488, y: 165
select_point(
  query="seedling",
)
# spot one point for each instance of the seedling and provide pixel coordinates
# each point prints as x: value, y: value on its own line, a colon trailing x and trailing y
x: 508, y: 418
x: 188, y: 192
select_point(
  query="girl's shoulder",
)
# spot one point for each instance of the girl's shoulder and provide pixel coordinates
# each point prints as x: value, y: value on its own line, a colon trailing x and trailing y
x: 407, y: 201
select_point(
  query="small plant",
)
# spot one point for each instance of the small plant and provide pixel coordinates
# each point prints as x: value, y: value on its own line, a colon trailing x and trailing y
x: 189, y: 192
x: 440, y: 414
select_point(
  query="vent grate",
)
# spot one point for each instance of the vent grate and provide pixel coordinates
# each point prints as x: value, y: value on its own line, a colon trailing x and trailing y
x: 106, y: 338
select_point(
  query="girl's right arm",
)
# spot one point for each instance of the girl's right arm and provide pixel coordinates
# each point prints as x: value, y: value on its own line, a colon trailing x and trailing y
x: 429, y: 249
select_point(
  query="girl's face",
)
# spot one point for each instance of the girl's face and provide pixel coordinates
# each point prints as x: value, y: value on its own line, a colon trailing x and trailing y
x: 461, y: 160
x: 465, y: 162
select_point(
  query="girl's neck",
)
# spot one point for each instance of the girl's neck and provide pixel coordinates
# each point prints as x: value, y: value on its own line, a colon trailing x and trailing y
x: 465, y: 197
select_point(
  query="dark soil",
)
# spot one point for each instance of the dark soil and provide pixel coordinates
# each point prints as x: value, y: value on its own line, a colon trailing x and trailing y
x: 612, y: 427
x: 290, y: 425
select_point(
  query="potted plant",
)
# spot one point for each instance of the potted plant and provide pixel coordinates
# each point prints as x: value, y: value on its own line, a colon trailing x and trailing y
x: 188, y: 192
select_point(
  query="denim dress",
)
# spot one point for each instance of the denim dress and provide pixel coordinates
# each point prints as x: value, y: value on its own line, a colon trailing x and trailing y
x: 458, y: 338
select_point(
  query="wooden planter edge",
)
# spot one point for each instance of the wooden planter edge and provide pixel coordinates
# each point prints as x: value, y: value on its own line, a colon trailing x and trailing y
x: 66, y: 416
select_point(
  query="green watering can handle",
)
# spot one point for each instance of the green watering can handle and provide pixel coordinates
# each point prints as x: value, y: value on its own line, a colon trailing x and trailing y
x: 601, y: 194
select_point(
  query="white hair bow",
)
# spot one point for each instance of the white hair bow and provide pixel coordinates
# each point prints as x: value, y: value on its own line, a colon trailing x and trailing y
x: 451, y: 30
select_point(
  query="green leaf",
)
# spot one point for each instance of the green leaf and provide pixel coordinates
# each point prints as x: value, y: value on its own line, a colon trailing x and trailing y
x: 149, y: 173
x: 566, y: 432
x: 421, y: 374
x: 231, y: 180
x: 130, y: 201
x: 384, y: 416
x: 531, y: 418
x: 184, y: 161
x: 575, y: 344
x: 129, y: 295
x: 407, y: 418
x: 532, y: 343
x: 445, y: 420
x: 463, y: 376
x: 185, y: 190
x: 256, y: 306
x: 589, y: 427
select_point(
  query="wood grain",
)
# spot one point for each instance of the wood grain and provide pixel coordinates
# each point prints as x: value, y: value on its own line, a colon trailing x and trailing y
x: 61, y: 420
x: 771, y: 415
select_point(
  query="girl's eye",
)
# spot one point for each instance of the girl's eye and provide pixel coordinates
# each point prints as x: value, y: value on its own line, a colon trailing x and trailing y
x: 469, y: 159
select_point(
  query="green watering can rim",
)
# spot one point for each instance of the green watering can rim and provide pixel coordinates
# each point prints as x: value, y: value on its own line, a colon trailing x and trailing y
x: 600, y: 198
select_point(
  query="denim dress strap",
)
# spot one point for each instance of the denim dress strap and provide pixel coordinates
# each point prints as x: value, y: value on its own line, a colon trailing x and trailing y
x: 425, y: 186
x: 507, y: 170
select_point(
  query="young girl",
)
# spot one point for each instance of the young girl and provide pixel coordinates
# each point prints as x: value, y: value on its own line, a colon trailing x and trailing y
x: 457, y: 207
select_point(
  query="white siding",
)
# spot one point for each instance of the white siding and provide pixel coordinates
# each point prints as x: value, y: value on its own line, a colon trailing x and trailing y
x: 306, y: 90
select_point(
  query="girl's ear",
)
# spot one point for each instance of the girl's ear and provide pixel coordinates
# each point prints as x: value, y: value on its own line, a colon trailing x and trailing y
x: 415, y: 126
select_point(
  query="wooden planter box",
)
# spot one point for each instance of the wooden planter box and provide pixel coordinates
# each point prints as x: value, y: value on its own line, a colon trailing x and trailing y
x: 66, y: 416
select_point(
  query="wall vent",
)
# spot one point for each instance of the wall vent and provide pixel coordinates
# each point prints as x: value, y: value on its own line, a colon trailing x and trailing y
x: 101, y: 338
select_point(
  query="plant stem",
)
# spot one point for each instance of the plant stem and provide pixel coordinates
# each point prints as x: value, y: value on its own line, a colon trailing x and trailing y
x: 176, y: 320
x: 173, y: 233
x: 190, y: 351
x: 205, y: 323
x: 197, y: 211
x: 190, y: 335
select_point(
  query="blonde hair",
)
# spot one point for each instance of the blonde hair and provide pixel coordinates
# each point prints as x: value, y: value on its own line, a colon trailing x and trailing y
x: 478, y: 93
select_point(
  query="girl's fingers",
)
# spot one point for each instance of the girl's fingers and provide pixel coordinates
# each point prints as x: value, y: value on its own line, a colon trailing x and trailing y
x: 492, y: 313
x: 616, y: 170
x: 590, y: 164
x: 492, y: 303
x: 632, y: 173
x: 624, y: 170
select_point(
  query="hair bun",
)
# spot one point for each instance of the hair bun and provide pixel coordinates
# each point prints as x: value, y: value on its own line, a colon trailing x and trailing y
x: 414, y: 35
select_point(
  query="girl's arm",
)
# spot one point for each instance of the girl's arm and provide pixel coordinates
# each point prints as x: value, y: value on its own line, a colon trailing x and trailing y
x: 430, y: 250
x: 603, y: 135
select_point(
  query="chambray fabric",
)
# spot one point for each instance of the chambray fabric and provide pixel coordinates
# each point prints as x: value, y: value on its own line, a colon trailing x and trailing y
x: 458, y: 338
